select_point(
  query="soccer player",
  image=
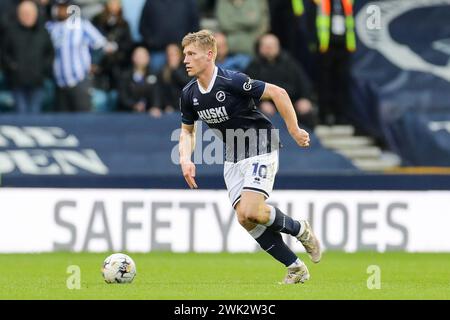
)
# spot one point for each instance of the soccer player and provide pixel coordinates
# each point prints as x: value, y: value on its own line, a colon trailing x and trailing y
x: 225, y: 101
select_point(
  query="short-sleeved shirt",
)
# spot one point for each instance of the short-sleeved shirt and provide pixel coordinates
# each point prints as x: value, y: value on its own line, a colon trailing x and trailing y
x: 73, y: 40
x: 228, y: 106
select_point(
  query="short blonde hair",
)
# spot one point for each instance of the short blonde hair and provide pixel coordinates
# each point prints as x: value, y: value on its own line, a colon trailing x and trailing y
x: 203, y: 39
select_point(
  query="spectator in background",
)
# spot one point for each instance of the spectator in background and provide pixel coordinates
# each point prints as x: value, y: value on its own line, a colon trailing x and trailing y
x: 172, y: 78
x: 333, y: 22
x: 243, y: 22
x: 6, y: 99
x: 114, y: 27
x: 139, y: 87
x: 280, y: 68
x: 283, y: 23
x: 238, y: 62
x: 45, y: 9
x: 73, y: 39
x: 288, y: 21
x: 28, y: 56
x: 206, y: 8
x: 164, y: 22
x: 7, y: 5
x: 7, y: 12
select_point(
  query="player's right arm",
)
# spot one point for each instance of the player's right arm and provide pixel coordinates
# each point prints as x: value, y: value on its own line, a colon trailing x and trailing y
x: 187, y: 139
x: 186, y: 147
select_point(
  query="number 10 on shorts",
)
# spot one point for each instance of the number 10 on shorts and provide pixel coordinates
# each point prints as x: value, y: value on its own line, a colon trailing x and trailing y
x: 260, y: 170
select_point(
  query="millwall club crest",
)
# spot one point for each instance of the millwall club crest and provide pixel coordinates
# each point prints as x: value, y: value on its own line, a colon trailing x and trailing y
x: 220, y: 96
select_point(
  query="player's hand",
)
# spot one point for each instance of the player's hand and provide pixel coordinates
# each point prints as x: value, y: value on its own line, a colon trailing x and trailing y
x: 301, y: 137
x: 188, y: 169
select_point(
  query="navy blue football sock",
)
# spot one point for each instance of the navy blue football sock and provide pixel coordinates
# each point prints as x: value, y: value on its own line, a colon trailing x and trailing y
x: 279, y: 222
x: 273, y: 244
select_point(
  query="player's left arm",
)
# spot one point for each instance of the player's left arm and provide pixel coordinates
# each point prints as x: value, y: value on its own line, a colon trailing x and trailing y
x: 283, y: 103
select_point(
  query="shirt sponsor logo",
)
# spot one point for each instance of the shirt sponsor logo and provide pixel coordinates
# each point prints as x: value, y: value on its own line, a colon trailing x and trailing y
x: 248, y: 85
x: 214, y: 115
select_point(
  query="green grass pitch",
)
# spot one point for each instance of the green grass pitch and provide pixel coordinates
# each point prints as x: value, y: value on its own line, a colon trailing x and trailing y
x: 227, y: 276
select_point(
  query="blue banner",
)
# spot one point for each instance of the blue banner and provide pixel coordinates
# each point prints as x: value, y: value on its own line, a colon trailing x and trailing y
x: 124, y: 145
x: 401, y: 77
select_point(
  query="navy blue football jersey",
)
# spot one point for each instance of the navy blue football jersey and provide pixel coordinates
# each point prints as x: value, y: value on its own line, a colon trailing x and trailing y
x: 228, y: 105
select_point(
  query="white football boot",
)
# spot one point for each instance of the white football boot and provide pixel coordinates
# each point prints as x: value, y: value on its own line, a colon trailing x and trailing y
x: 297, y: 274
x: 310, y: 242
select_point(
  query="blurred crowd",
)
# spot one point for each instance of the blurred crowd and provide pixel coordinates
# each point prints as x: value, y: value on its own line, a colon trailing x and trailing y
x: 125, y: 55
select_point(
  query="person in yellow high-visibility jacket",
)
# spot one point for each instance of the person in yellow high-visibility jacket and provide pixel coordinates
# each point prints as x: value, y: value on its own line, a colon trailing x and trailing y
x: 324, y: 22
x: 336, y: 41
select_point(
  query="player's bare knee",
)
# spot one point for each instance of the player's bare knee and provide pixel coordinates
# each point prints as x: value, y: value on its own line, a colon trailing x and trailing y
x: 252, y: 216
x: 247, y: 213
x: 241, y: 219
x: 240, y: 214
